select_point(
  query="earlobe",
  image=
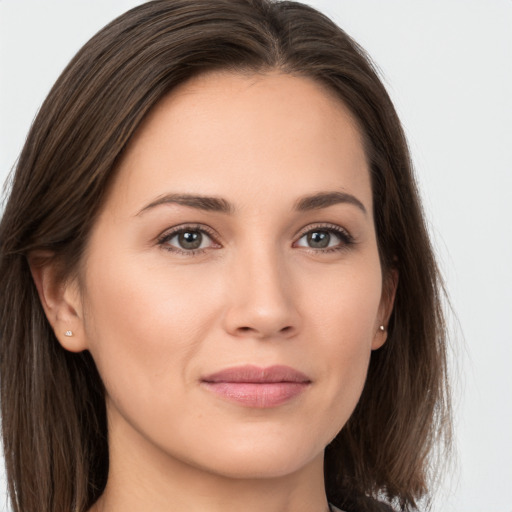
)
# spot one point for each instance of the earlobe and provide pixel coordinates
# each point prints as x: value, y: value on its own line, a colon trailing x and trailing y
x: 380, y: 337
x: 386, y: 308
x: 61, y: 302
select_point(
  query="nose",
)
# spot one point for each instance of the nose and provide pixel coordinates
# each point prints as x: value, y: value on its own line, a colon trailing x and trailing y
x: 262, y: 301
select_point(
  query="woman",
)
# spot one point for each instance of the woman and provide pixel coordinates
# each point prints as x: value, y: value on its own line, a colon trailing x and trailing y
x: 218, y: 290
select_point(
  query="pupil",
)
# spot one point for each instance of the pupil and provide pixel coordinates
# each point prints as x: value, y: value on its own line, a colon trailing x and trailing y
x: 190, y: 239
x: 319, y: 239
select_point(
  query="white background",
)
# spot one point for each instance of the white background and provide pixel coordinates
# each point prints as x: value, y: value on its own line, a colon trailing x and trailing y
x: 448, y: 67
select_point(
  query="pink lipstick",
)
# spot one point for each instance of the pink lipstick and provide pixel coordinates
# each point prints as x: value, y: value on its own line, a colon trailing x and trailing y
x: 252, y: 386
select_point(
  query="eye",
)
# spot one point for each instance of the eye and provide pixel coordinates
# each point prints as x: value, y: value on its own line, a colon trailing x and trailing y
x: 187, y: 240
x: 325, y: 238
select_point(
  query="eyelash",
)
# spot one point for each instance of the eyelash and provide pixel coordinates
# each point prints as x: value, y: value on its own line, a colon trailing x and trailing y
x: 346, y: 239
x: 166, y: 237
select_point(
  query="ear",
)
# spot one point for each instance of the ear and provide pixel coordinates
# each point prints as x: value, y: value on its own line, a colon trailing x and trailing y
x: 387, y: 301
x: 61, y: 301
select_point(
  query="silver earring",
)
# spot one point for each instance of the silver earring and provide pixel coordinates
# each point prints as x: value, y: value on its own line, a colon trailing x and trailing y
x: 382, y: 328
x: 68, y: 333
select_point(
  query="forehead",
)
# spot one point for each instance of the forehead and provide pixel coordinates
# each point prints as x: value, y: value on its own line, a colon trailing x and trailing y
x: 260, y: 131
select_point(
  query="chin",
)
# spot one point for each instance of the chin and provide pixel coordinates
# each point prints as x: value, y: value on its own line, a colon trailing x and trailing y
x: 262, y: 456
x: 261, y: 466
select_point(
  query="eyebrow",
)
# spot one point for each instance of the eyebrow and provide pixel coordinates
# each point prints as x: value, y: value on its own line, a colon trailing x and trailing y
x: 316, y: 201
x: 326, y: 199
x: 206, y: 203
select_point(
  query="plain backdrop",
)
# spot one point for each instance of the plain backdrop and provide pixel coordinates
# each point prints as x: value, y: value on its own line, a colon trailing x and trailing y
x: 448, y: 67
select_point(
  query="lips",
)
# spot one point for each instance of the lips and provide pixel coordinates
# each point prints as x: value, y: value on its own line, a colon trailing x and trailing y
x: 252, y: 386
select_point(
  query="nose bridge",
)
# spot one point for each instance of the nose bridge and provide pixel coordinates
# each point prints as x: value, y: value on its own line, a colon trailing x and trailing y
x: 262, y: 302
x: 266, y: 274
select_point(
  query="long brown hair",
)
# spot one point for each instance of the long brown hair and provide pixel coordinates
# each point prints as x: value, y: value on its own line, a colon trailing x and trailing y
x: 53, y: 408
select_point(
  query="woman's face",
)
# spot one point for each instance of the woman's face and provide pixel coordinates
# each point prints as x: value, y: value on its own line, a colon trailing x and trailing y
x: 232, y: 290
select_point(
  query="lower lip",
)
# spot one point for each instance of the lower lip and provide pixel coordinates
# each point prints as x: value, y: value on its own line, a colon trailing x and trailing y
x: 257, y: 395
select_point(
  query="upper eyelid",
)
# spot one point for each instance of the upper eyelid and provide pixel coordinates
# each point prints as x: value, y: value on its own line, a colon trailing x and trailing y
x: 190, y: 227
x: 325, y: 226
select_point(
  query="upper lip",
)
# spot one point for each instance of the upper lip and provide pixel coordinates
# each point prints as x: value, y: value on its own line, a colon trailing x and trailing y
x: 256, y: 374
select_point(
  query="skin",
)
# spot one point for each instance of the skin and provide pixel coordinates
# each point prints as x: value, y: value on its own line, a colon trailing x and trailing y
x: 157, y: 318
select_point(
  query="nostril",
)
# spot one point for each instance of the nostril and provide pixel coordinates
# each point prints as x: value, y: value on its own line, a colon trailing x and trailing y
x: 246, y: 329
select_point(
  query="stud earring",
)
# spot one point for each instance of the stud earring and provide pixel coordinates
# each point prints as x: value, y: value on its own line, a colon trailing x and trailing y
x: 382, y: 328
x: 68, y: 333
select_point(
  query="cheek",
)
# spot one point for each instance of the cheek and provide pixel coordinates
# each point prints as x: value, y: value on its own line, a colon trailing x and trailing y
x: 143, y: 324
x: 346, y: 304
x: 343, y: 322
